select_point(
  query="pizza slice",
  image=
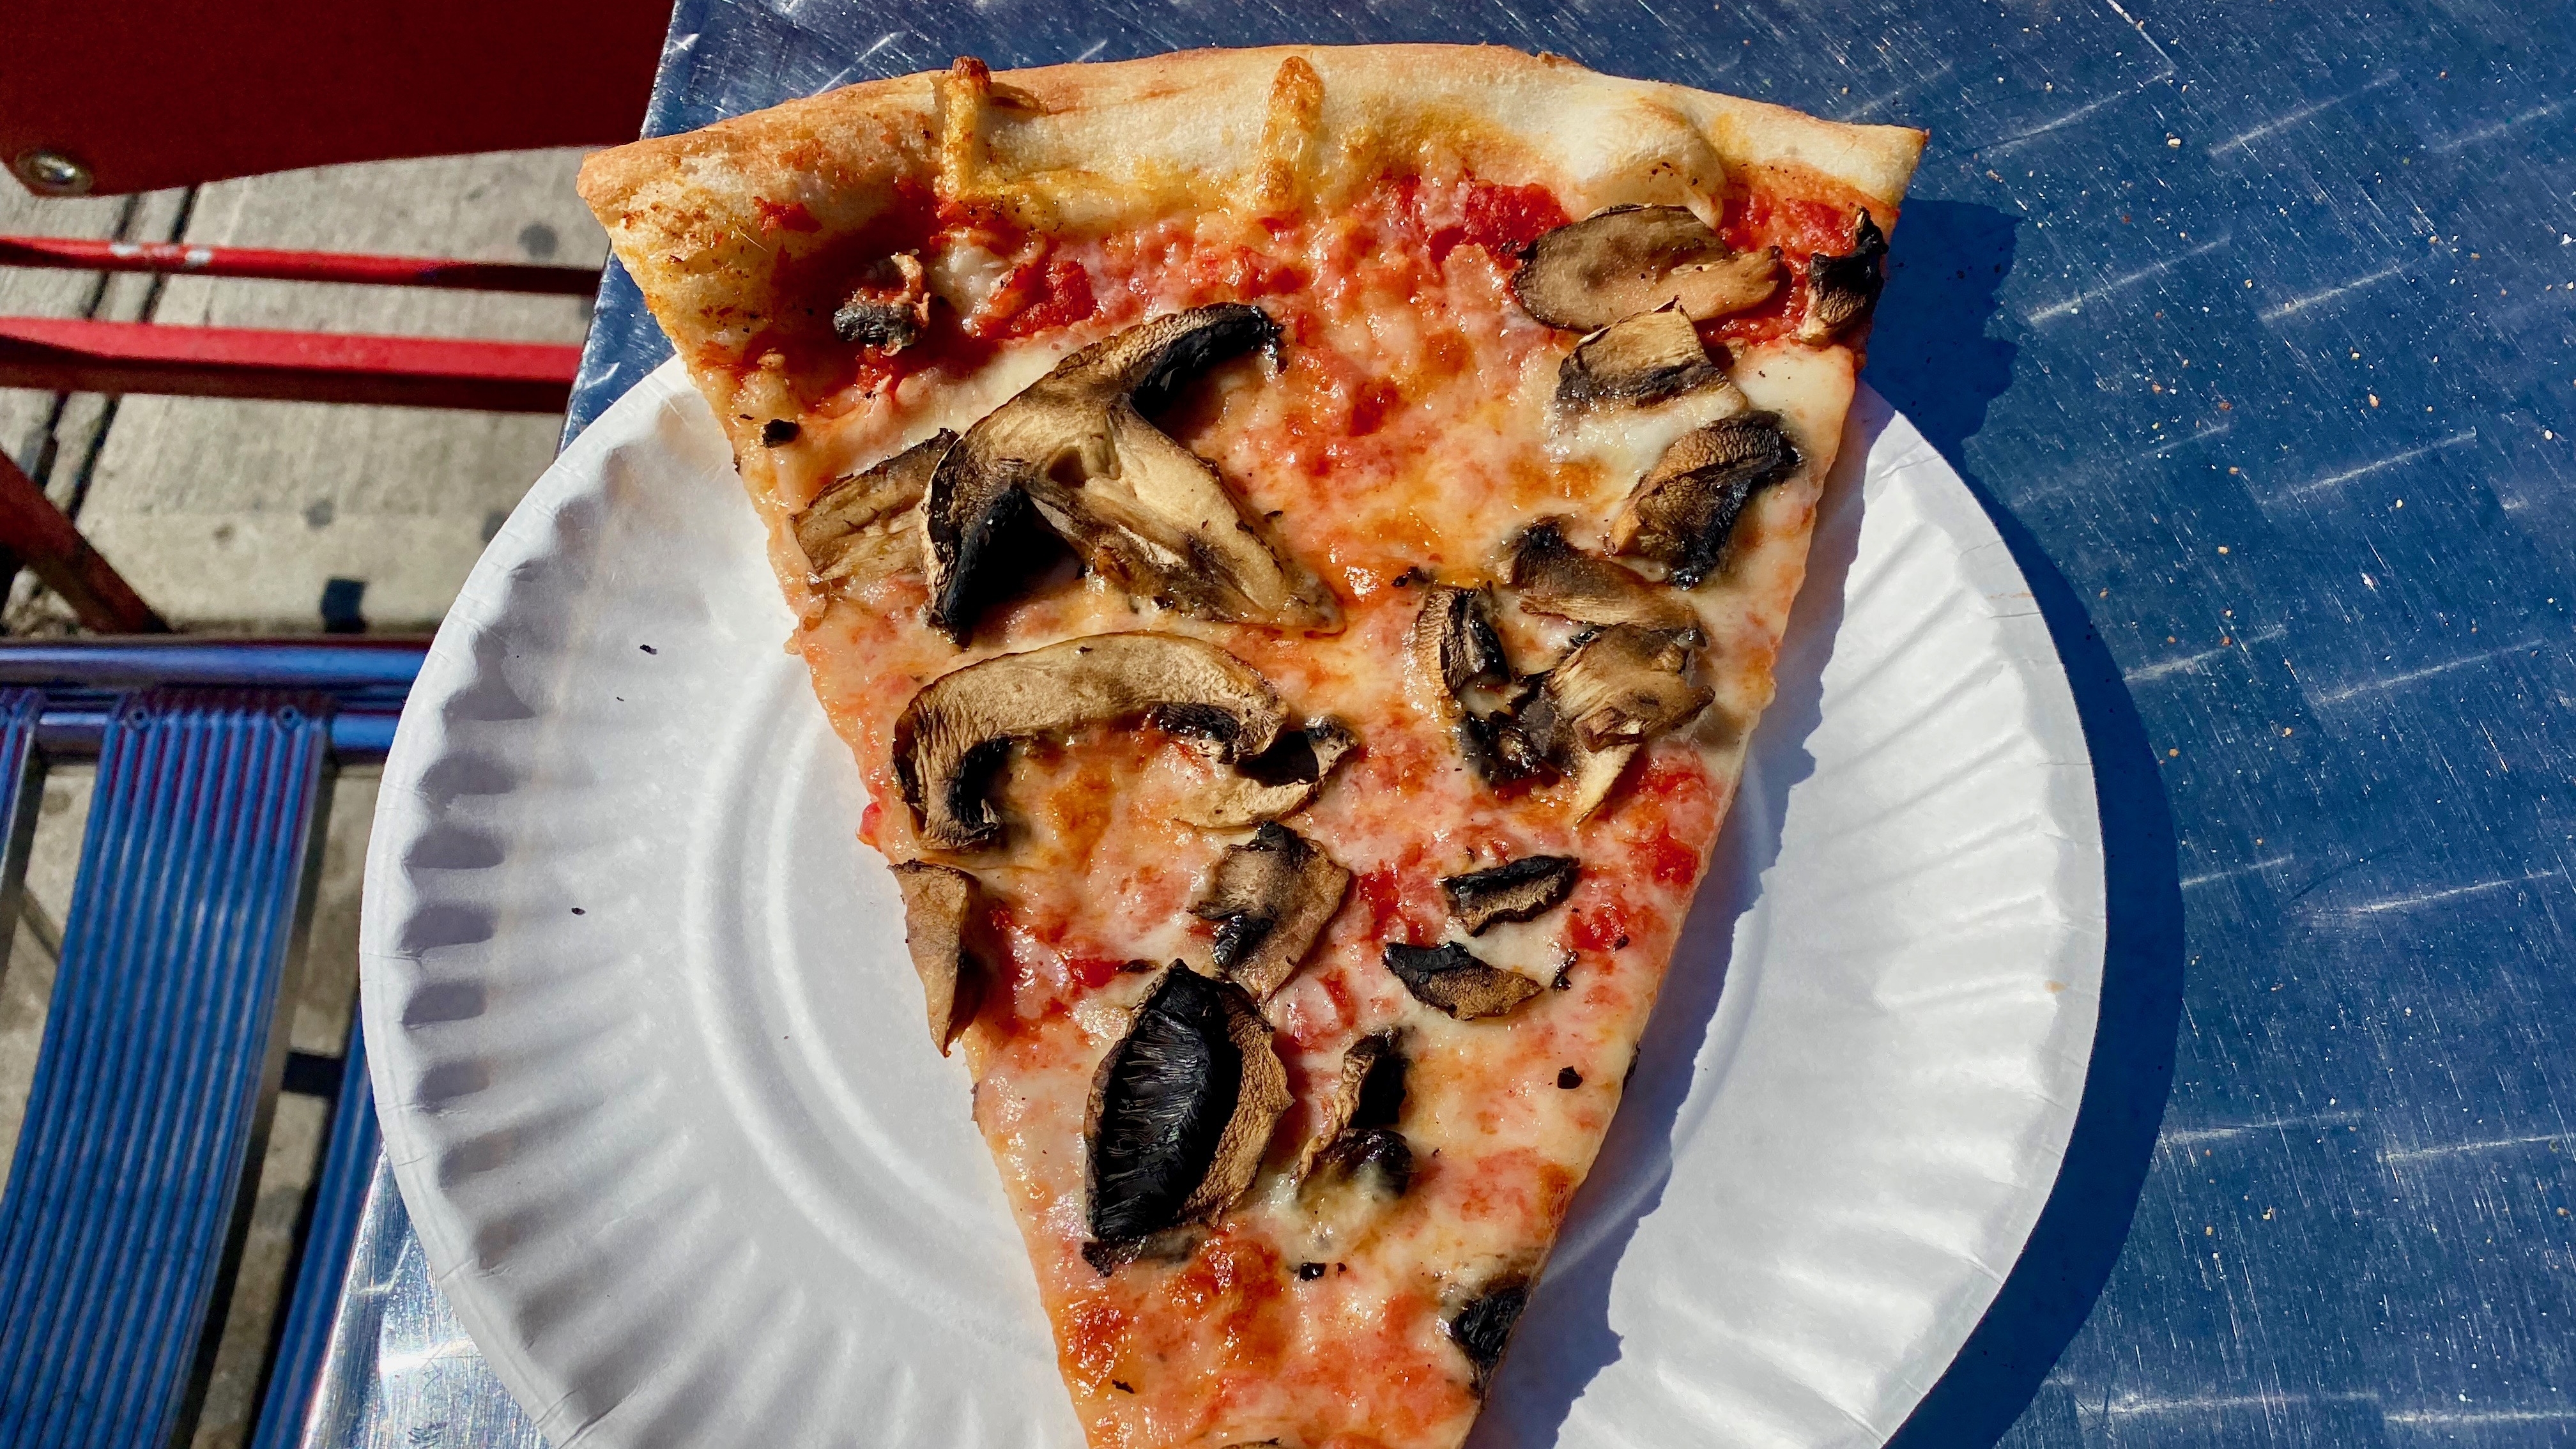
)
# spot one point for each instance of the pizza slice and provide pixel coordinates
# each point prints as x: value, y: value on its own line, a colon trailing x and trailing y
x: 1296, y: 541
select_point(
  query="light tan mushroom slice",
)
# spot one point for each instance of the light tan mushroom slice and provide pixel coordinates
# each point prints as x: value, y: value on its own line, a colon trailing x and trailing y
x: 1271, y: 898
x: 957, y: 732
x: 1631, y: 259
x: 1682, y: 513
x: 1369, y: 1092
x: 860, y: 528
x: 1554, y: 577
x: 1160, y: 523
x: 1633, y: 362
x: 1625, y: 685
x: 940, y: 906
x: 1595, y: 774
x: 1613, y: 691
x: 1453, y: 645
x: 1274, y: 784
x: 1074, y: 450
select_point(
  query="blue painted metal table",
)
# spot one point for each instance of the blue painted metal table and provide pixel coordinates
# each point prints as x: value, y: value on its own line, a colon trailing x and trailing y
x: 2250, y: 324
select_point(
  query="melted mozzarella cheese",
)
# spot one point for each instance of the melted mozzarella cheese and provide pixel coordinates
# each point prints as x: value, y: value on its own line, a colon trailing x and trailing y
x: 1405, y: 433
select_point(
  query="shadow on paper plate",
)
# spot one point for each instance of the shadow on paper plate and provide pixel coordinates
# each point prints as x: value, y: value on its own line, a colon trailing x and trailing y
x: 1566, y: 1340
x: 1931, y: 359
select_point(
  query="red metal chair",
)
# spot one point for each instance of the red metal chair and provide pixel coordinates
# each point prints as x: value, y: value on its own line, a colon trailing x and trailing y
x: 106, y: 98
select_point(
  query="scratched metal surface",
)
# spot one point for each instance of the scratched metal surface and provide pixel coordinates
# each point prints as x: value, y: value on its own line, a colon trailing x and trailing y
x: 2251, y: 324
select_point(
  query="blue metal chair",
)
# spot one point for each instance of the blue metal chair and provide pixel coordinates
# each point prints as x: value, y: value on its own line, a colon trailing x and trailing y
x: 163, y: 1047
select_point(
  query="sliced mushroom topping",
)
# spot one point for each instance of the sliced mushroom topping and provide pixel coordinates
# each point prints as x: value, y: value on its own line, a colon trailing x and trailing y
x: 1614, y: 690
x: 1453, y: 640
x: 1275, y: 783
x: 1369, y: 1093
x: 956, y: 734
x: 1270, y: 899
x: 940, y: 904
x: 1143, y: 511
x: 1458, y: 655
x: 1682, y: 512
x: 1843, y: 290
x: 1621, y: 685
x: 1556, y: 578
x: 1181, y: 1111
x: 1449, y: 978
x: 1595, y: 774
x: 1483, y: 1329
x: 889, y: 309
x: 1519, y: 890
x: 1631, y: 259
x: 859, y: 528
x: 1636, y: 360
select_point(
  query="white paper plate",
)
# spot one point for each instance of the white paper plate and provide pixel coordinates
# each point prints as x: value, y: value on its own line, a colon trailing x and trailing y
x: 649, y: 1054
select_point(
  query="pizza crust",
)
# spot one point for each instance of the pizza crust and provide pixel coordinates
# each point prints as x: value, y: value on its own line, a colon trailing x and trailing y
x: 1091, y: 147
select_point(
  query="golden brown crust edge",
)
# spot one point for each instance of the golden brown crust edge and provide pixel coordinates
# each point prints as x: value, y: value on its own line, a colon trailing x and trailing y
x: 1093, y: 145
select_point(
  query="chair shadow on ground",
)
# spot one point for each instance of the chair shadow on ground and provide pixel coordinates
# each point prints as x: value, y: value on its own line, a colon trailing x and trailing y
x: 1931, y: 359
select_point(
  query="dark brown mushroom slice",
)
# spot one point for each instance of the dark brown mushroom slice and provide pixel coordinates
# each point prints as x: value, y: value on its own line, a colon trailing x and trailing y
x: 1275, y: 783
x: 890, y: 307
x: 1449, y: 978
x: 1483, y: 1328
x: 1842, y: 290
x: 1555, y: 577
x: 1271, y: 898
x: 1517, y: 890
x: 1075, y: 451
x: 1681, y: 514
x: 1631, y: 259
x: 1635, y: 361
x: 1458, y: 655
x: 1181, y: 1110
x: 957, y: 732
x: 941, y: 906
x: 860, y: 528
x: 1368, y: 1093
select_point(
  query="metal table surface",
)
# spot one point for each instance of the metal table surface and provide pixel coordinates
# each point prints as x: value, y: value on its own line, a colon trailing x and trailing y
x: 2250, y: 325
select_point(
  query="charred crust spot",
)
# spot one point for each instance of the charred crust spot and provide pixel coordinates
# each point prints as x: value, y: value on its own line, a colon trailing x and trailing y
x: 1569, y: 1079
x: 1483, y: 1329
x: 778, y: 432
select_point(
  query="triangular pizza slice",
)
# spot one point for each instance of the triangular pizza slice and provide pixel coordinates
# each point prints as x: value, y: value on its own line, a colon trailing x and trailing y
x: 1296, y: 540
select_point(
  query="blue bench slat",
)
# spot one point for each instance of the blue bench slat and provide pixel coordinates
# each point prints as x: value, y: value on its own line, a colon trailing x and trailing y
x: 121, y: 1213
x: 339, y: 1197
x: 22, y: 769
